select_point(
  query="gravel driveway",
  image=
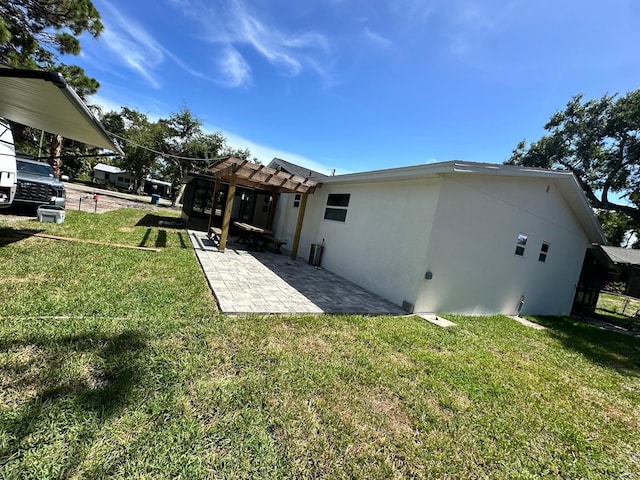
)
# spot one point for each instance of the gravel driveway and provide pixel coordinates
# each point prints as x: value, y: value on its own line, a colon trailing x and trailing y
x: 80, y: 197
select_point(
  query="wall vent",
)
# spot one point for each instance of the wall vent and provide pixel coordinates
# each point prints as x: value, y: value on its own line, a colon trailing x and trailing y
x: 407, y: 306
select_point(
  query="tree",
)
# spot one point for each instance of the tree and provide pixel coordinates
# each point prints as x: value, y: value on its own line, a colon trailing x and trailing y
x: 144, y: 138
x: 619, y: 229
x: 599, y: 141
x: 34, y: 32
x: 191, y: 149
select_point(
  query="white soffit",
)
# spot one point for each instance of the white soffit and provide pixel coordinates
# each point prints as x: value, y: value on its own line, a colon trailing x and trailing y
x: 43, y: 100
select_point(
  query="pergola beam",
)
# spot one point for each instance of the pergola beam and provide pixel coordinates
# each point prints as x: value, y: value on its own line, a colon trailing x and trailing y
x: 260, y: 176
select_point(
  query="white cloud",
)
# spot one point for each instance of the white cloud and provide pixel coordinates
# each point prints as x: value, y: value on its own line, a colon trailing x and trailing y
x: 266, y: 153
x: 413, y: 10
x: 235, y: 69
x: 135, y: 47
x: 230, y: 24
x: 377, y: 40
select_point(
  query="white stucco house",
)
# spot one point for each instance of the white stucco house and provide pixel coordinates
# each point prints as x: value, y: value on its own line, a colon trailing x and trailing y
x: 456, y: 236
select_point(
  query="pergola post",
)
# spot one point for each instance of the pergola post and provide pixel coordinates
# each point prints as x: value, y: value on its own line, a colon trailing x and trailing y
x: 272, y: 208
x: 296, y: 237
x: 226, y: 219
x: 216, y: 188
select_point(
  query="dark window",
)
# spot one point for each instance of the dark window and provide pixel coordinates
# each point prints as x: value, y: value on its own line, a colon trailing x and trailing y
x: 544, y: 249
x: 338, y: 200
x: 337, y: 214
x: 337, y: 204
x: 521, y: 244
x: 296, y: 200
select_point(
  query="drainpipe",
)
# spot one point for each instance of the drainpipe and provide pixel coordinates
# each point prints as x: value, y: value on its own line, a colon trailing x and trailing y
x: 520, y: 305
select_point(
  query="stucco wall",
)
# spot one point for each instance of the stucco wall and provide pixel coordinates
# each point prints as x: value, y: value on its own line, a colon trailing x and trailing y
x: 461, y: 228
x: 382, y: 243
x: 472, y: 250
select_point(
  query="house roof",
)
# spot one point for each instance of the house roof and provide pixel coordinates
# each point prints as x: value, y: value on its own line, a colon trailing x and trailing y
x: 259, y: 176
x: 43, y: 100
x: 565, y: 181
x: 622, y: 256
x: 103, y: 167
x: 283, y: 165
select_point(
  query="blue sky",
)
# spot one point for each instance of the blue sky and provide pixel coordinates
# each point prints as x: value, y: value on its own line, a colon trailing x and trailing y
x: 359, y: 85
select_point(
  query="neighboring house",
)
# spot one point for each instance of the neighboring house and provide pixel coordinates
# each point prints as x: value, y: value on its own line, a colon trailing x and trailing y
x: 604, y: 264
x: 160, y: 187
x: 284, y: 166
x: 111, y: 175
x: 627, y: 261
x: 451, y: 237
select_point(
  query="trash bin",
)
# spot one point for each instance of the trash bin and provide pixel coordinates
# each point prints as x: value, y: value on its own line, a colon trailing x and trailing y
x: 155, y: 198
x: 315, y: 255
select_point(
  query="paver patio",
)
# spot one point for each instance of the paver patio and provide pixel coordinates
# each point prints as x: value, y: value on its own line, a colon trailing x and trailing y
x: 245, y: 282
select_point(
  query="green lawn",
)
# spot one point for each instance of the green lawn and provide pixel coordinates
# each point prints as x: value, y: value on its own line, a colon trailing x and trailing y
x: 618, y: 309
x: 115, y: 364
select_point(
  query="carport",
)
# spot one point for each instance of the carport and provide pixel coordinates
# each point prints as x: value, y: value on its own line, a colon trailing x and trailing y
x: 45, y: 101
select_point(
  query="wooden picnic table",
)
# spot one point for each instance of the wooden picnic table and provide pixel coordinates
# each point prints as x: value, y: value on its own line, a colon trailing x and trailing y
x: 252, y: 236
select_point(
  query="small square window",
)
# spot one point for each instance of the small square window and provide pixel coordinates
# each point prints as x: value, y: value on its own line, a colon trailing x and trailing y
x: 521, y: 244
x: 296, y: 200
x: 544, y: 249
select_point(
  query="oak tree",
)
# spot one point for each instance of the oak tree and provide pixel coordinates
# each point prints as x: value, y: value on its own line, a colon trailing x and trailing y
x: 599, y: 141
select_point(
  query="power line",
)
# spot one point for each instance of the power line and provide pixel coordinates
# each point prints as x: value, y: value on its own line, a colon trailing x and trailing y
x: 177, y: 157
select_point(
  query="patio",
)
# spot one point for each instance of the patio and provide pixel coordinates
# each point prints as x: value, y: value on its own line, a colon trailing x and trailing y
x: 245, y: 282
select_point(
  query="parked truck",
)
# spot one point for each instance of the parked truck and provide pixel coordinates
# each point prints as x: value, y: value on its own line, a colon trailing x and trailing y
x: 8, y: 176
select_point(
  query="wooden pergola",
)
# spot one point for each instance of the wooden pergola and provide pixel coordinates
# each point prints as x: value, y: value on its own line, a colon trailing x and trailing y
x: 236, y: 171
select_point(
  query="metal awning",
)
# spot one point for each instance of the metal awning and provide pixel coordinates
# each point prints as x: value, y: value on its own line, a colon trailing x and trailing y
x: 259, y: 176
x: 43, y: 100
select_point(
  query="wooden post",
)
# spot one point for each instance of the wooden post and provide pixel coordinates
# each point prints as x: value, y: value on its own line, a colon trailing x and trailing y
x: 216, y: 189
x: 226, y: 219
x: 272, y: 209
x: 296, y: 237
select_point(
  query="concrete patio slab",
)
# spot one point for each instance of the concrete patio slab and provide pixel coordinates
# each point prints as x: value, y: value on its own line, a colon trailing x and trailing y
x: 441, y: 322
x: 527, y: 323
x: 245, y: 282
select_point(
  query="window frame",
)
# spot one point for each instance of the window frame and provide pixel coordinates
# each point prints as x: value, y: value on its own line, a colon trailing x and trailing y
x: 521, y: 244
x: 544, y: 252
x: 336, y: 207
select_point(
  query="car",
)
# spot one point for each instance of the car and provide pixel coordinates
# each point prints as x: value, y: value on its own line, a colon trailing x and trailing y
x: 37, y: 184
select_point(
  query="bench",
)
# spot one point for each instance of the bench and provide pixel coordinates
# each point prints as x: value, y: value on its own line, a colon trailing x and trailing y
x: 276, y: 242
x: 214, y: 235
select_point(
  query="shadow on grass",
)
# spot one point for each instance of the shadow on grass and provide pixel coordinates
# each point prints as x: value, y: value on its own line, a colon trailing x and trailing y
x: 603, y: 347
x: 10, y: 235
x: 63, y: 396
x: 161, y: 239
x: 151, y: 220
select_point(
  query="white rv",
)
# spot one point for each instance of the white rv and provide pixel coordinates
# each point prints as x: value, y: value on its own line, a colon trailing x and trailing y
x: 8, y: 178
